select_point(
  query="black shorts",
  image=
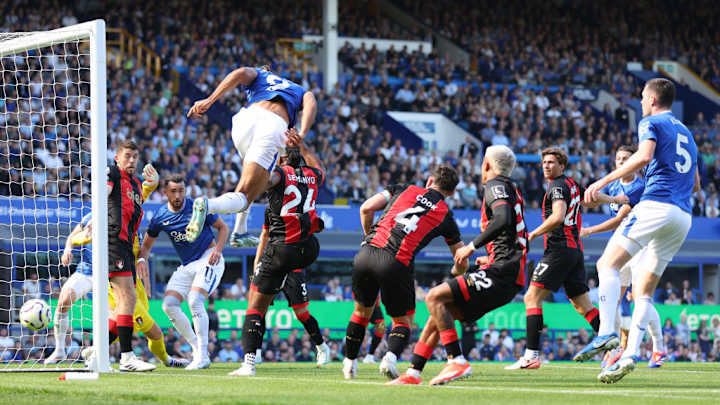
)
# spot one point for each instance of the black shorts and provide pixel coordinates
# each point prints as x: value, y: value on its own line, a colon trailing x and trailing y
x: 121, y: 260
x: 566, y: 268
x: 376, y: 270
x: 479, y: 291
x: 295, y: 289
x: 377, y: 315
x: 278, y: 260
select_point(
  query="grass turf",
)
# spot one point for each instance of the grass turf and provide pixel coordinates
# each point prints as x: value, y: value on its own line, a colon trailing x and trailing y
x: 296, y: 383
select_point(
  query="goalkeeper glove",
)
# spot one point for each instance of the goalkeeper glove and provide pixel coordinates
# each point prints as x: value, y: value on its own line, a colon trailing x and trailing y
x: 152, y: 179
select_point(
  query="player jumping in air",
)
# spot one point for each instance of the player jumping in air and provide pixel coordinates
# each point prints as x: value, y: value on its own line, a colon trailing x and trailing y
x: 413, y: 217
x: 200, y: 272
x: 291, y: 244
x: 259, y: 135
x: 493, y: 283
x: 660, y: 221
x: 563, y: 262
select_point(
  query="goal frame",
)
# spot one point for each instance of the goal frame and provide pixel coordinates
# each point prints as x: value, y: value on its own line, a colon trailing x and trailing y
x: 94, y: 31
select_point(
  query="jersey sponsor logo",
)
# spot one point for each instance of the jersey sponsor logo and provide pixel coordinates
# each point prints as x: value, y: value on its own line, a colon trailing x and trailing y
x: 424, y: 201
x: 557, y: 193
x: 133, y: 196
x: 301, y: 179
x: 178, y: 236
x: 499, y: 192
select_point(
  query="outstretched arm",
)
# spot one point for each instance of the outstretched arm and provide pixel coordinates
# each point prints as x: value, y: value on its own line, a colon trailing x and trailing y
x: 310, y: 158
x: 308, y: 114
x: 609, y: 225
x: 502, y: 217
x: 638, y: 160
x: 243, y: 75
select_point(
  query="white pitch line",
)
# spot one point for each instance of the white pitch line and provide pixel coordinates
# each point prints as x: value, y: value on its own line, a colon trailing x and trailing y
x: 662, y: 370
x: 625, y: 393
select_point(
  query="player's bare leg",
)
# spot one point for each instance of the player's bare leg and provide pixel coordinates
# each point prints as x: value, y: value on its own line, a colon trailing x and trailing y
x: 253, y: 327
x: 253, y: 181
x: 124, y: 289
x: 61, y: 325
x: 442, y: 311
x: 429, y: 338
x: 534, y: 298
x: 313, y: 329
x: 354, y: 337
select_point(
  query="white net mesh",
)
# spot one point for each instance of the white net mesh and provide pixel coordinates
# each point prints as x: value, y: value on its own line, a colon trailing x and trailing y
x: 44, y: 190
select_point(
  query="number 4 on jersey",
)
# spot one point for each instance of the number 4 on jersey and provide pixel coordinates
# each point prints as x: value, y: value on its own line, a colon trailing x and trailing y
x: 410, y: 218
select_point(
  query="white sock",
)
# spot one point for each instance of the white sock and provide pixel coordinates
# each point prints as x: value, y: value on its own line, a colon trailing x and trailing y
x: 250, y: 359
x: 126, y: 356
x: 459, y: 360
x: 62, y: 324
x: 618, y: 320
x: 609, y: 293
x: 531, y: 354
x: 413, y: 373
x: 201, y: 322
x: 641, y: 317
x: 655, y: 331
x: 171, y: 306
x: 241, y: 221
x: 391, y: 356
x: 227, y: 203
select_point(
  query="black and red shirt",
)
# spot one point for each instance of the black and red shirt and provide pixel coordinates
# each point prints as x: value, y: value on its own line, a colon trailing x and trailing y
x: 568, y: 235
x: 290, y: 215
x: 412, y: 218
x: 510, y: 245
x: 124, y: 206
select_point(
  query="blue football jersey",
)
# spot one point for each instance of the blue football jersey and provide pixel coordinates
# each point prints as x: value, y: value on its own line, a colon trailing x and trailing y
x: 85, y: 252
x: 633, y: 191
x: 268, y: 85
x: 174, y: 223
x: 670, y: 176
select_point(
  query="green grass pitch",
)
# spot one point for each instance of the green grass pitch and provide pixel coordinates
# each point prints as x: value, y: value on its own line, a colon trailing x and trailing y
x: 294, y: 383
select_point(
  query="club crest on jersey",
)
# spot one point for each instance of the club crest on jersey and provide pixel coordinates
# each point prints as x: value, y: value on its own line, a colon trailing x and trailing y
x: 499, y: 192
x: 119, y: 264
x: 139, y: 320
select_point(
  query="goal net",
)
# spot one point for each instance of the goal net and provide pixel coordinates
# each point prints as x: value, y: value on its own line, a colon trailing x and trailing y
x: 52, y: 172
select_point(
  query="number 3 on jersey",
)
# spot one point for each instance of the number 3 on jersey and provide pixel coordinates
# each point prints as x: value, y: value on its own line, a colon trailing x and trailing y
x: 297, y: 199
x: 410, y: 218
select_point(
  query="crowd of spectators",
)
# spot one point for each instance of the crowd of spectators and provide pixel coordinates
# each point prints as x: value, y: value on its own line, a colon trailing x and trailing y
x: 585, y: 42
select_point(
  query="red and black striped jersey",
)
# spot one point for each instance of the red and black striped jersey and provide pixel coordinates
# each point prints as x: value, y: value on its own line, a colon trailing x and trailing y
x: 568, y: 235
x: 124, y: 205
x: 290, y: 215
x: 412, y: 218
x: 511, y: 243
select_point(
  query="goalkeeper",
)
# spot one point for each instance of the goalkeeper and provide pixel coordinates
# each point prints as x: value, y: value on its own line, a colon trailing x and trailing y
x: 80, y: 283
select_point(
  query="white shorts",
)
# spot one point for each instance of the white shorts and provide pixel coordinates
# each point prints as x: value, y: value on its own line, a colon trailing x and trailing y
x: 197, y: 274
x: 625, y: 322
x: 79, y: 283
x: 259, y: 136
x: 660, y: 227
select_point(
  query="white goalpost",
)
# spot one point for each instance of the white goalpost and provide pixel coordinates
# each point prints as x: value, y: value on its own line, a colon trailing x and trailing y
x: 53, y: 162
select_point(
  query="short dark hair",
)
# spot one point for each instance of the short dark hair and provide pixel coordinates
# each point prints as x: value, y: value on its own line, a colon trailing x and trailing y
x: 127, y: 144
x: 175, y: 178
x: 560, y: 154
x: 446, y: 178
x: 664, y: 89
x: 626, y: 148
x: 293, y: 157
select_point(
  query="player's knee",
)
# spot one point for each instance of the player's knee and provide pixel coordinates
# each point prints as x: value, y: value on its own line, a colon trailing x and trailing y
x: 196, y: 302
x: 170, y: 303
